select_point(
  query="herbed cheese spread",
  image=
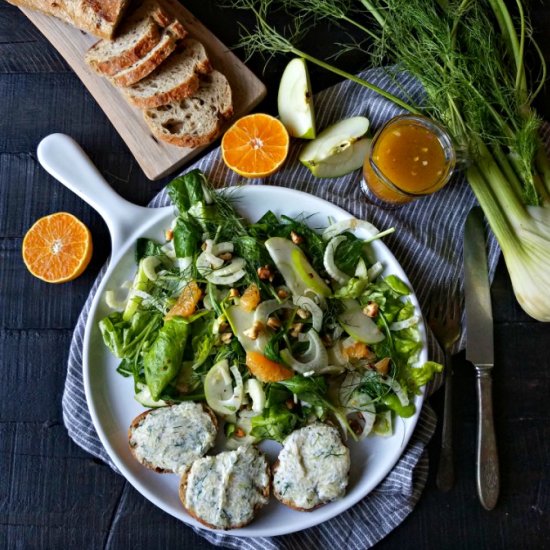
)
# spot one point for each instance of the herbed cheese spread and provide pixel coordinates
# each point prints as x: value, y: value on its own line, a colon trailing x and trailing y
x: 313, y: 467
x: 173, y: 437
x: 224, y: 490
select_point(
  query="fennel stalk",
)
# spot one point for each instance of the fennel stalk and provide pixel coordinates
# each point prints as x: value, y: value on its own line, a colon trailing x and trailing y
x: 469, y: 57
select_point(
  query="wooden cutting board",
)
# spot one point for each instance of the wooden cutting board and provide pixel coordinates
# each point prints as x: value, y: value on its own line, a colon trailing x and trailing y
x: 156, y: 158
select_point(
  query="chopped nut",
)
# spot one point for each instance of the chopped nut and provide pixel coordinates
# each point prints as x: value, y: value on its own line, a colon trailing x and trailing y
x: 226, y: 337
x: 296, y: 329
x: 282, y: 293
x: 254, y: 330
x: 223, y: 326
x: 302, y: 313
x: 265, y: 274
x: 289, y: 403
x: 274, y: 323
x: 355, y: 425
x: 239, y: 432
x: 203, y: 246
x: 226, y: 256
x: 327, y: 340
x: 382, y: 366
x: 169, y: 234
x: 234, y: 293
x: 296, y: 239
x: 371, y: 309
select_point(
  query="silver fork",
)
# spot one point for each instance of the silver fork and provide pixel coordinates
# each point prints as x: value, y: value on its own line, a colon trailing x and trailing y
x: 446, y: 329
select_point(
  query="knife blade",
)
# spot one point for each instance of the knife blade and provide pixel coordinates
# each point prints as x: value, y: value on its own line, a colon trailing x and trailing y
x: 480, y: 351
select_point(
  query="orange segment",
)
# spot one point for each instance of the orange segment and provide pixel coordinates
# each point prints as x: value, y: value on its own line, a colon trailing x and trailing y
x: 187, y: 301
x: 266, y: 370
x: 57, y: 248
x: 250, y: 298
x: 255, y: 146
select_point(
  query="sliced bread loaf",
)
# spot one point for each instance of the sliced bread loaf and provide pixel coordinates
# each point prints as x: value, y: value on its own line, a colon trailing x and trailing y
x: 196, y: 120
x: 98, y: 17
x: 174, y: 80
x: 147, y: 64
x: 137, y: 36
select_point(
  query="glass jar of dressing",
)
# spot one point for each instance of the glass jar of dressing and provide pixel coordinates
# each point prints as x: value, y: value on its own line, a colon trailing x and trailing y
x: 411, y: 156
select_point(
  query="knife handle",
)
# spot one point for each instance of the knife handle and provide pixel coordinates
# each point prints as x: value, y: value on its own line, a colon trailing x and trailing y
x: 488, y: 478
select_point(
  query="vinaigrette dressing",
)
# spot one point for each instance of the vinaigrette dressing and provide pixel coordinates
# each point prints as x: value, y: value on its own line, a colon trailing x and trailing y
x: 410, y: 156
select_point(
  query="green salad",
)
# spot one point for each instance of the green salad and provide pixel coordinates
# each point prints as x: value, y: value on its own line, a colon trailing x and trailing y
x: 272, y: 324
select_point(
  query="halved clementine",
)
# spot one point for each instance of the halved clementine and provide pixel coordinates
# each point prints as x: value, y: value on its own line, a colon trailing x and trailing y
x: 255, y: 146
x: 57, y: 248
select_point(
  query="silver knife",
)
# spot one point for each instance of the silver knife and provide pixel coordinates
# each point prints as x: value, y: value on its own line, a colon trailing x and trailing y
x: 480, y: 351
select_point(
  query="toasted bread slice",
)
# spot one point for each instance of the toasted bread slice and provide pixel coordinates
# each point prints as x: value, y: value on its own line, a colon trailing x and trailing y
x: 227, y: 490
x: 176, y: 79
x: 169, y: 439
x: 196, y: 120
x: 98, y: 17
x: 312, y: 468
x: 147, y: 64
x: 136, y: 37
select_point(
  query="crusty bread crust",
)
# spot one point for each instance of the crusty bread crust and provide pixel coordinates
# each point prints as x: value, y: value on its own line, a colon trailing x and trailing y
x: 136, y: 422
x: 158, y: 121
x: 185, y: 89
x: 117, y: 63
x: 98, y: 17
x: 107, y: 61
x: 146, y: 65
x: 183, y: 489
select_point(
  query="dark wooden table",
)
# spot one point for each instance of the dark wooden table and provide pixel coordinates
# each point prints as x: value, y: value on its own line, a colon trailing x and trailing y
x: 54, y: 495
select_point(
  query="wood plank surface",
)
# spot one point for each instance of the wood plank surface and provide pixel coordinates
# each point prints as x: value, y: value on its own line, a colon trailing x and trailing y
x: 55, y: 496
x: 155, y: 157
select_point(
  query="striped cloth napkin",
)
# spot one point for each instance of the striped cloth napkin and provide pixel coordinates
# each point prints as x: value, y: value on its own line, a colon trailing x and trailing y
x: 428, y: 244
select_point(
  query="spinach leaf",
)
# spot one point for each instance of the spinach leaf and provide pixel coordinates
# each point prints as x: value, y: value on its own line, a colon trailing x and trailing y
x: 187, y: 236
x: 163, y: 360
x: 186, y: 190
x: 348, y: 253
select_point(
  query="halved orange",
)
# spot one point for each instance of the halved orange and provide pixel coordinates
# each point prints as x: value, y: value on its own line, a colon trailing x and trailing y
x: 255, y: 146
x: 57, y: 248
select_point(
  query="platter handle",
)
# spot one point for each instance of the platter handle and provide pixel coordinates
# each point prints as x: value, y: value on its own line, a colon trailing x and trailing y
x: 64, y: 159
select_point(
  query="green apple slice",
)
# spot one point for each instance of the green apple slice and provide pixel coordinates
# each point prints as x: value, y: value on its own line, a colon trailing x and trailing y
x: 358, y: 325
x: 347, y: 161
x: 295, y: 268
x: 295, y: 100
x: 339, y: 148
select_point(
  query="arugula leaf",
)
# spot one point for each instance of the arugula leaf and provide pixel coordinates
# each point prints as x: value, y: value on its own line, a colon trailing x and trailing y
x: 163, y: 360
x: 271, y: 350
x: 275, y: 422
x: 397, y: 285
x: 392, y: 402
x: 147, y: 247
x: 423, y: 374
x: 354, y: 288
